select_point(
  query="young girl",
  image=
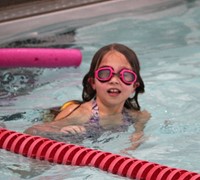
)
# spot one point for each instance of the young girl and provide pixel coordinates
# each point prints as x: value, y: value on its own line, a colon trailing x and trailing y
x: 110, y: 98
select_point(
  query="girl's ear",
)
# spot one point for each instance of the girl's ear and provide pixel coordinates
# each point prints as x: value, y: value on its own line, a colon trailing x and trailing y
x: 91, y: 82
x: 137, y: 84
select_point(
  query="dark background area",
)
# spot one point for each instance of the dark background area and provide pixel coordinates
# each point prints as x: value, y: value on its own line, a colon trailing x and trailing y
x: 15, y: 9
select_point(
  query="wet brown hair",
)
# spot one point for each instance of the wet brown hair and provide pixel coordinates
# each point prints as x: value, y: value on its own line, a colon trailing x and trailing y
x: 89, y: 93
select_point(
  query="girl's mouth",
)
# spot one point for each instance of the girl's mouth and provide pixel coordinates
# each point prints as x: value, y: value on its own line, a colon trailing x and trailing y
x: 113, y: 91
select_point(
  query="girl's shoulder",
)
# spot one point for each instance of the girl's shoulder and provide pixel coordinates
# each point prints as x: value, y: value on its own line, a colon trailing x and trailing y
x: 141, y: 116
x: 66, y: 109
x: 72, y: 103
x: 72, y: 109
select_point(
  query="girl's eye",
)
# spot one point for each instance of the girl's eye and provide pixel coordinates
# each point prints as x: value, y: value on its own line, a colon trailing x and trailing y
x: 104, y: 73
x: 129, y: 76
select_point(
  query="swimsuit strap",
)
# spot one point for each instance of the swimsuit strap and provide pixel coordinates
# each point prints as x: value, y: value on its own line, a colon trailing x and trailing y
x: 95, y: 112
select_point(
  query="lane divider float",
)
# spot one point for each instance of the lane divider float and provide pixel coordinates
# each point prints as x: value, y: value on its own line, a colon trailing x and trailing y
x: 69, y: 154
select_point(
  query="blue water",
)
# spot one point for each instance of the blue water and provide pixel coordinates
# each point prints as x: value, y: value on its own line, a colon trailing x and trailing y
x: 167, y: 41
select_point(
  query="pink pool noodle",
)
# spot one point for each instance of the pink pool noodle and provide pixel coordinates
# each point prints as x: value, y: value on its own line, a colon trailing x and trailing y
x: 39, y: 57
x: 70, y: 154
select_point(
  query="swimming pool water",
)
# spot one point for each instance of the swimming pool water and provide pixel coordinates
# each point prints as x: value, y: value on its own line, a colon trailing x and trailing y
x: 167, y: 41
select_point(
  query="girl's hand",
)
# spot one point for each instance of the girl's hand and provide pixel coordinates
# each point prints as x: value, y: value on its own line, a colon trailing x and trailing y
x: 73, y: 130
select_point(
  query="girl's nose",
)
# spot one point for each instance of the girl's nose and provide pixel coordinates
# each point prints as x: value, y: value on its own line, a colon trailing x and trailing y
x: 115, y: 79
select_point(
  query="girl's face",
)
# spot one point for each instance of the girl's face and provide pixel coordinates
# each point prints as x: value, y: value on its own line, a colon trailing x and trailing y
x: 114, y: 92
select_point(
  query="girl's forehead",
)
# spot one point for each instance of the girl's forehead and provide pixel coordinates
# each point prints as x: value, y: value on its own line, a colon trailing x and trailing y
x: 115, y: 58
x: 113, y: 53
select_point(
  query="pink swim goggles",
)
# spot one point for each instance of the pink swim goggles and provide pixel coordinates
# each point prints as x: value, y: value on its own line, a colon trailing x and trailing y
x: 104, y: 74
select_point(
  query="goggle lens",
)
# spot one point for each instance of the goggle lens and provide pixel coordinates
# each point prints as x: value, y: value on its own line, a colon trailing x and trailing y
x: 128, y: 77
x: 104, y: 74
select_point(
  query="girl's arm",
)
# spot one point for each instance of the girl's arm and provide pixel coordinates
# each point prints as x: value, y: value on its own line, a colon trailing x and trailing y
x: 137, y: 137
x: 42, y: 128
x: 60, y: 124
